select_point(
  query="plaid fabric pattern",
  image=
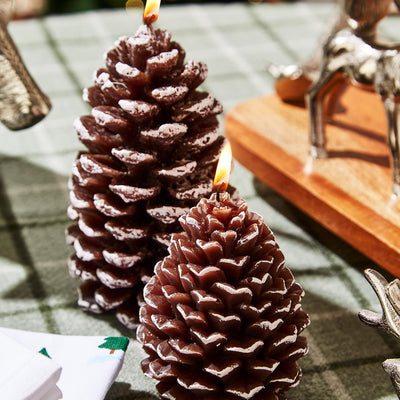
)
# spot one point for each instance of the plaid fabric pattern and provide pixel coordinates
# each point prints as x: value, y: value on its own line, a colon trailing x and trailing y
x: 236, y: 41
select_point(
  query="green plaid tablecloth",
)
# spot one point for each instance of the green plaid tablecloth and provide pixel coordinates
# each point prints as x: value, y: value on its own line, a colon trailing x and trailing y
x: 236, y: 41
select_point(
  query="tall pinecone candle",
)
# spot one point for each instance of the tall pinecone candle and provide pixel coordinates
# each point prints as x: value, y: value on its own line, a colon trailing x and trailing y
x: 153, y: 144
x: 222, y: 314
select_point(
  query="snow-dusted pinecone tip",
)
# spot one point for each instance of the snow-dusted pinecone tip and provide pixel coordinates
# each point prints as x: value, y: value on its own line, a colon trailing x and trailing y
x: 222, y: 314
x: 153, y: 144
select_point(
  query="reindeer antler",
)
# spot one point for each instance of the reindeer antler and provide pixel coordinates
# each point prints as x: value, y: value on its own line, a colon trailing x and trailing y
x: 22, y: 103
x: 389, y: 297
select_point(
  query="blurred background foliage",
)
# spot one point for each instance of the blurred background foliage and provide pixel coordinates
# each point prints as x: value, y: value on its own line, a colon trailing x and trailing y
x: 31, y: 8
x: 56, y: 6
x: 79, y: 5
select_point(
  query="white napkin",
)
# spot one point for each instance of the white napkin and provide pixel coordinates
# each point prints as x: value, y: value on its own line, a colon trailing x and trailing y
x: 90, y: 364
x: 26, y: 374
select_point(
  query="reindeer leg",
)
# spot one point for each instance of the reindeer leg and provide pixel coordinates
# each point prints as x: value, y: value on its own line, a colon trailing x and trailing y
x: 392, y: 115
x: 314, y: 98
x: 336, y: 89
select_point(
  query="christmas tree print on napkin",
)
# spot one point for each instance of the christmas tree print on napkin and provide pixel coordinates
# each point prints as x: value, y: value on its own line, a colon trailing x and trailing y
x: 44, y: 352
x: 115, y: 343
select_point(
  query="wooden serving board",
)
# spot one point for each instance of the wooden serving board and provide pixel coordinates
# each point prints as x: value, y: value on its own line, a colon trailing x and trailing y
x: 350, y: 192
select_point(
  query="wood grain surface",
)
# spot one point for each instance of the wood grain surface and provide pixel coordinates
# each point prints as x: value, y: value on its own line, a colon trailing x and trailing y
x: 350, y: 192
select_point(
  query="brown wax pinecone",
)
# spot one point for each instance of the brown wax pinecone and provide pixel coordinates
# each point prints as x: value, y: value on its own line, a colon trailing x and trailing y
x: 153, y: 145
x: 223, y: 316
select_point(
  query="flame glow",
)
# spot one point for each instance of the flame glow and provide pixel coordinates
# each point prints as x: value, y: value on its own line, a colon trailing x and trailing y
x: 221, y: 179
x: 151, y: 11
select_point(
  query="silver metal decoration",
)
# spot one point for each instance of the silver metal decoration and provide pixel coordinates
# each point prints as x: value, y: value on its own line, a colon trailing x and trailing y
x: 351, y: 51
x: 310, y: 68
x: 22, y: 103
x: 389, y: 297
x: 357, y: 55
x: 294, y: 80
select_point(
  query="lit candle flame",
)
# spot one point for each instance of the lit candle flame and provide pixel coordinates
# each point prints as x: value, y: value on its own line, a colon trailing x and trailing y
x: 151, y: 11
x: 221, y: 179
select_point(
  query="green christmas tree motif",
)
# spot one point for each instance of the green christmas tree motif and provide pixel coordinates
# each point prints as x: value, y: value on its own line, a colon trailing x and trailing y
x: 115, y: 343
x: 44, y: 352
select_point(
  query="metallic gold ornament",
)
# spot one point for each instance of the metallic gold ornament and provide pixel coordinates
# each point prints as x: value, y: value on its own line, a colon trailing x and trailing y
x: 22, y: 103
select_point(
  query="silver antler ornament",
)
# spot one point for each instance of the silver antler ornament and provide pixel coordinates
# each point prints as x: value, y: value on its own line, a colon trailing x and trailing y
x: 22, y: 103
x: 389, y: 297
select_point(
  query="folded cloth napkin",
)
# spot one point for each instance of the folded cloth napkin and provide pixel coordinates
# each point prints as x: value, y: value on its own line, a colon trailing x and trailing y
x: 26, y: 374
x: 90, y: 364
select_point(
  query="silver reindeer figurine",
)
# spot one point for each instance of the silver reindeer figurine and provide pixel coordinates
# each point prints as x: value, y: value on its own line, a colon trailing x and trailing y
x: 356, y: 55
x: 22, y: 103
x: 389, y: 297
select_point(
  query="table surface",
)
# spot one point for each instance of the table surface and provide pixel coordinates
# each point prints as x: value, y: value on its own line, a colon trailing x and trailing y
x: 236, y: 41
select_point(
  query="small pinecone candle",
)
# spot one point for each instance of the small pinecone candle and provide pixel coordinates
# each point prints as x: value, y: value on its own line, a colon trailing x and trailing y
x: 223, y: 316
x: 152, y: 147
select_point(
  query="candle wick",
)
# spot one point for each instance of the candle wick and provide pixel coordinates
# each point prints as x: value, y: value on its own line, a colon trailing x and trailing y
x: 217, y: 195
